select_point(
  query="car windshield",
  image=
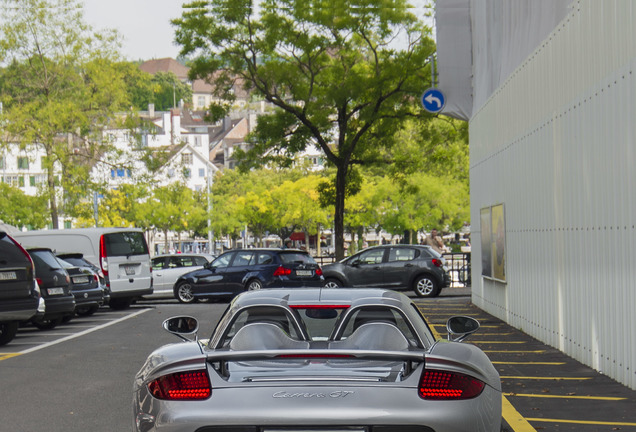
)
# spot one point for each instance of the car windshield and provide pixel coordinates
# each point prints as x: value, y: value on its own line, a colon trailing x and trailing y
x: 320, y: 321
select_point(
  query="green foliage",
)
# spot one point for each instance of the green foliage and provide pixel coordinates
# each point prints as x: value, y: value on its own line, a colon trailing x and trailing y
x: 332, y: 71
x: 21, y: 210
x: 59, y: 89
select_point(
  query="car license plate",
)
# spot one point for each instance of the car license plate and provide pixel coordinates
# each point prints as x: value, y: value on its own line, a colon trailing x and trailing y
x: 10, y: 275
x: 55, y: 291
x: 80, y: 280
x: 304, y: 272
x: 130, y: 270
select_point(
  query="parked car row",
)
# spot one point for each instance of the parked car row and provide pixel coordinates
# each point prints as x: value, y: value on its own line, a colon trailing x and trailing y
x: 39, y: 287
x: 193, y: 277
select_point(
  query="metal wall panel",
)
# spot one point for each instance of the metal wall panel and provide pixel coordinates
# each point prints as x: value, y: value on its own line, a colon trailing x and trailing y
x: 556, y: 144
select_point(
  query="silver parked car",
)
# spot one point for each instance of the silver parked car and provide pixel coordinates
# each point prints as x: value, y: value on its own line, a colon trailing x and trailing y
x: 167, y: 268
x: 318, y: 359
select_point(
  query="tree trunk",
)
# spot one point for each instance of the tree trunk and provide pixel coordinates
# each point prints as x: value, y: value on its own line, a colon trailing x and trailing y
x: 50, y: 179
x: 338, y: 220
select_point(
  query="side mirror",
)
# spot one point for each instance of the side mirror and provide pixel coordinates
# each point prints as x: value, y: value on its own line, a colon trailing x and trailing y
x: 355, y: 263
x: 460, y: 327
x: 181, y: 325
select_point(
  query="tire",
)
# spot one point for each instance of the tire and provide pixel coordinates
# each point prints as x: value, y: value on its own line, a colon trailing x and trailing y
x: 120, y: 303
x: 333, y: 283
x: 48, y: 324
x: 183, y: 293
x: 254, y: 285
x: 8, y: 330
x: 86, y: 310
x: 425, y: 286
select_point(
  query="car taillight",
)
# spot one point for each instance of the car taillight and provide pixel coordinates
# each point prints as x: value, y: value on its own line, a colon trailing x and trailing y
x: 282, y: 271
x: 318, y: 271
x: 39, y: 281
x: 102, y: 256
x: 437, y: 262
x: 444, y: 385
x: 26, y: 254
x: 191, y: 385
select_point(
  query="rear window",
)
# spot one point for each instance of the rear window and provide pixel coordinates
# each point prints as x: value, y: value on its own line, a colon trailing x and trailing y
x: 125, y: 244
x: 44, y: 259
x: 296, y: 257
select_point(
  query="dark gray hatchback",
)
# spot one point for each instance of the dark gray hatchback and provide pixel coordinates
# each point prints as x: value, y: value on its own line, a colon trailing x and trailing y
x: 19, y: 296
x: 398, y: 267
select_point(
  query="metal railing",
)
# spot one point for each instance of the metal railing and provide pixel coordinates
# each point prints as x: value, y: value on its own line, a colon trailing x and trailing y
x: 459, y: 267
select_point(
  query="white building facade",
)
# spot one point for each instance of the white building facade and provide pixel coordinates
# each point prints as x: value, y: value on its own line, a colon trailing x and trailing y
x: 553, y: 189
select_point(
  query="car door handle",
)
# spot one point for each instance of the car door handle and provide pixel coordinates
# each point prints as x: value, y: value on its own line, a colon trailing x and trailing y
x: 408, y: 265
x: 376, y: 268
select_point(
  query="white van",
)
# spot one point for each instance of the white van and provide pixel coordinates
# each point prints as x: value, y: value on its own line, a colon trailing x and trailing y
x: 121, y: 253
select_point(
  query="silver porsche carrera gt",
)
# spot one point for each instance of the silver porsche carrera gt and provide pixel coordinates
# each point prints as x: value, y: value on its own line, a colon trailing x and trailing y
x: 319, y: 360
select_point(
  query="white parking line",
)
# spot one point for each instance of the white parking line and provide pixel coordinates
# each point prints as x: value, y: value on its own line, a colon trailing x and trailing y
x: 76, y: 335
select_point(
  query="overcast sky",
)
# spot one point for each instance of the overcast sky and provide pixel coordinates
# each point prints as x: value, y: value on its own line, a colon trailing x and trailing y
x: 144, y: 25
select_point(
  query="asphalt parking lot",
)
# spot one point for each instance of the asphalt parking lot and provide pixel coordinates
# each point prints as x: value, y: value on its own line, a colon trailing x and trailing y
x: 544, y: 389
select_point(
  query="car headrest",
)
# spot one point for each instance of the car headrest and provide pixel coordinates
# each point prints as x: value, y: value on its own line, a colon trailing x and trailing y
x: 264, y: 336
x: 374, y: 336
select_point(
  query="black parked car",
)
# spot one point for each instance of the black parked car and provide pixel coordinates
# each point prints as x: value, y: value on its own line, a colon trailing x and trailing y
x: 398, y: 267
x: 89, y: 296
x: 19, y: 295
x: 249, y: 269
x: 77, y: 259
x: 55, y: 286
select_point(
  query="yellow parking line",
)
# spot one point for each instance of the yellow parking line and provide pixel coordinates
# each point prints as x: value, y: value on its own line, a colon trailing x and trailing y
x: 493, y: 334
x: 546, y: 378
x: 530, y: 363
x: 550, y: 396
x: 603, y: 423
x: 516, y: 421
x: 8, y: 356
x: 497, y: 342
x: 508, y: 412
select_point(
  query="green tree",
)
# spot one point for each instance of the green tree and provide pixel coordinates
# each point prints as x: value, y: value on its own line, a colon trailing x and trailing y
x: 168, y: 90
x: 171, y: 208
x: 21, y: 210
x: 59, y: 88
x: 298, y: 206
x: 332, y: 70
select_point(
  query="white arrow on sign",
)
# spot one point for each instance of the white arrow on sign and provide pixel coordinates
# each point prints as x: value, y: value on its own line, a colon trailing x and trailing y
x: 430, y: 99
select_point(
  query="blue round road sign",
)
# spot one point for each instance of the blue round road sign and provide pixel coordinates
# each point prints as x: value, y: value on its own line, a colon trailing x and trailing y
x: 433, y: 100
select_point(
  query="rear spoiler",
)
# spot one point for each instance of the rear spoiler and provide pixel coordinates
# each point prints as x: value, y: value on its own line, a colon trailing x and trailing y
x: 414, y: 356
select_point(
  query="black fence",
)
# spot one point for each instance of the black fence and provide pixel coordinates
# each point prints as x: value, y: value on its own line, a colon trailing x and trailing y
x: 459, y: 267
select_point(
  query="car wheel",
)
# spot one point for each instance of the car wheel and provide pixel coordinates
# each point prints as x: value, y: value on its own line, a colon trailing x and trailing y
x: 183, y: 293
x: 47, y: 324
x: 8, y: 330
x: 254, y: 285
x: 86, y: 310
x: 333, y: 283
x: 426, y: 286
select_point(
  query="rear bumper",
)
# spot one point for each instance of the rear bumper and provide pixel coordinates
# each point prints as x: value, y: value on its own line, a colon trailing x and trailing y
x: 323, y: 407
x: 131, y: 293
x: 58, y: 306
x: 88, y: 297
x: 18, y: 309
